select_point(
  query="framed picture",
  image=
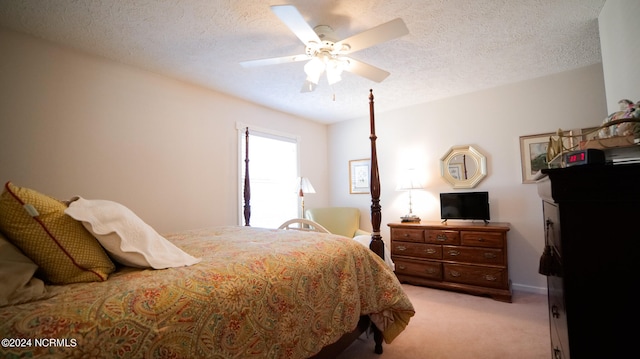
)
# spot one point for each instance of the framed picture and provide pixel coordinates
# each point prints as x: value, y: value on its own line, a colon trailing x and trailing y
x: 455, y: 170
x: 533, y: 153
x: 359, y: 172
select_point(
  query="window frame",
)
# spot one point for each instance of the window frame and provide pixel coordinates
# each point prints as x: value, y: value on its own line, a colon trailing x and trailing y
x: 264, y: 132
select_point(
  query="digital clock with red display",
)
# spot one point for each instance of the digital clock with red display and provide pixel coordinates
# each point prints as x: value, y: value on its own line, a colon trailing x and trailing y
x: 584, y: 157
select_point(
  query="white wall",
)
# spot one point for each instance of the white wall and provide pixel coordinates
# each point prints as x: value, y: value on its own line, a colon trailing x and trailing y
x: 492, y: 121
x: 619, y: 23
x: 73, y: 124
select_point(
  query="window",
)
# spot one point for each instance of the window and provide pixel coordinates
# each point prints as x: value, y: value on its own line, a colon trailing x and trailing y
x: 273, y: 167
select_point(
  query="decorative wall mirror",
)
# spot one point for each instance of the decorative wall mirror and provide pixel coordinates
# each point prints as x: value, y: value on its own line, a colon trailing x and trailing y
x: 463, y: 167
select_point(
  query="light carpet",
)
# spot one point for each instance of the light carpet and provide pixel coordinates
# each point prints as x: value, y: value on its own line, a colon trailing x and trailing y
x: 451, y: 325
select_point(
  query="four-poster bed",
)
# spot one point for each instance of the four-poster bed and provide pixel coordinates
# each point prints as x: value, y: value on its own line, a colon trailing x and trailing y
x: 376, y: 245
x: 252, y: 293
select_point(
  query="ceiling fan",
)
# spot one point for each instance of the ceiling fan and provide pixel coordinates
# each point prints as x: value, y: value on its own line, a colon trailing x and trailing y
x: 325, y: 53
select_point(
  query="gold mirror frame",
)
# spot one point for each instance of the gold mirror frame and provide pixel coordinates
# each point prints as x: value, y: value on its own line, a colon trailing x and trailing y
x: 463, y: 167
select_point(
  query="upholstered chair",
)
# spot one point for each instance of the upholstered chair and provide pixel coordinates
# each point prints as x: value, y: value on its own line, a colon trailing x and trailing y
x: 344, y: 221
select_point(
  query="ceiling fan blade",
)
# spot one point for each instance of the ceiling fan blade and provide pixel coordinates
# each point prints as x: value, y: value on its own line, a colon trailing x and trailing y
x: 296, y: 23
x: 308, y: 86
x: 381, y: 33
x: 367, y: 71
x: 274, y: 60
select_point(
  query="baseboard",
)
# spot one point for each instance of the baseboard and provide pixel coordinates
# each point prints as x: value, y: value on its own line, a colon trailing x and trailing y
x: 528, y: 288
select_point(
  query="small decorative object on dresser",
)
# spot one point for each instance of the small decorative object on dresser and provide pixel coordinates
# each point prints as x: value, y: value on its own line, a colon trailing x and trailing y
x: 467, y: 257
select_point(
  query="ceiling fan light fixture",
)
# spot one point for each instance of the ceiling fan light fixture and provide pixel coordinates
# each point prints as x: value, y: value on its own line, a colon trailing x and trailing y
x: 324, y: 53
x: 314, y: 69
x: 333, y: 77
x: 334, y: 70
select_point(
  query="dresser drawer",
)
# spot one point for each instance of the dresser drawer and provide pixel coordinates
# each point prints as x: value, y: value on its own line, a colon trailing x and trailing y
x: 442, y: 236
x: 473, y: 255
x: 407, y: 235
x: 424, y: 269
x: 558, y: 317
x: 476, y: 275
x: 482, y: 239
x: 421, y: 250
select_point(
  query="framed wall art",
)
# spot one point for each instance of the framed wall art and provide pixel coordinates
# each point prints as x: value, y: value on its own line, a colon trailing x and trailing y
x: 359, y: 172
x: 533, y: 153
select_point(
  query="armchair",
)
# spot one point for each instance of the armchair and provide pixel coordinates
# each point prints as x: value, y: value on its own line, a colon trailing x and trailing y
x: 344, y: 221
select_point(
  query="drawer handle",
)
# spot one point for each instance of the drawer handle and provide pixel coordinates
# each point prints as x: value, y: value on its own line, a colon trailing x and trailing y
x: 480, y: 239
x: 401, y: 267
x: 430, y: 271
x: 430, y: 250
x: 490, y: 277
x: 441, y: 237
x: 401, y: 248
x: 454, y: 273
x: 489, y: 255
x: 454, y: 253
x: 406, y: 235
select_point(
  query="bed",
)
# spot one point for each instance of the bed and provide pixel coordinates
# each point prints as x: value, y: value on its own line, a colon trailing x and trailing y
x: 223, y: 292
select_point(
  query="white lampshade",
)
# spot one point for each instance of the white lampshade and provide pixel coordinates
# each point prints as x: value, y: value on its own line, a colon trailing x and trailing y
x: 410, y: 181
x: 303, y: 185
x: 314, y: 68
x: 325, y: 62
x: 334, y: 71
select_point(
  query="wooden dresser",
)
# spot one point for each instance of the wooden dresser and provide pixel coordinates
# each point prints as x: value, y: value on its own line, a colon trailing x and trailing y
x: 592, y: 235
x: 468, y: 257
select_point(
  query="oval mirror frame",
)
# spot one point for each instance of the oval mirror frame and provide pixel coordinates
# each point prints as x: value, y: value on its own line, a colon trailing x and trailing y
x: 479, y: 161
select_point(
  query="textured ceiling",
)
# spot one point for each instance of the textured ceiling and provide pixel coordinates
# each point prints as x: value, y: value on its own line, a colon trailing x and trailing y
x: 454, y: 46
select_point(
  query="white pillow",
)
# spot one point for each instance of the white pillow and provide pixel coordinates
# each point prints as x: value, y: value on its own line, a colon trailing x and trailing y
x: 16, y: 276
x: 128, y: 239
x: 365, y: 240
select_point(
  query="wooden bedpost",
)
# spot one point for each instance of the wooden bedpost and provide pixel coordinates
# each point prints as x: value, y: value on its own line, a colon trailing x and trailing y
x: 247, y: 183
x: 376, y: 245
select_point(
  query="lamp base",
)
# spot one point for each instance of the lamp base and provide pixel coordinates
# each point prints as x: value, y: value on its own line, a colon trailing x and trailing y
x: 410, y: 218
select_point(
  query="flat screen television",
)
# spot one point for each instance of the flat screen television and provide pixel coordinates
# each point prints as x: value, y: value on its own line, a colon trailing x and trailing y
x: 465, y: 205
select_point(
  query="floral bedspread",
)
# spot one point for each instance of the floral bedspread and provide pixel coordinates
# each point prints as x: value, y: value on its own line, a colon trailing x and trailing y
x: 257, y: 293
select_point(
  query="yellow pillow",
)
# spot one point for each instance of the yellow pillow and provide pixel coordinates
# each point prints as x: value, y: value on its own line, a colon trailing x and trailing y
x: 63, y: 249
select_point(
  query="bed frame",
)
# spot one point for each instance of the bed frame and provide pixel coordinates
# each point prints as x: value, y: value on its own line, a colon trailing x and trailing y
x: 376, y: 245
